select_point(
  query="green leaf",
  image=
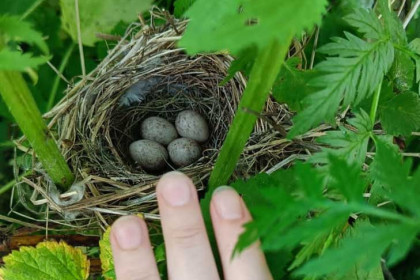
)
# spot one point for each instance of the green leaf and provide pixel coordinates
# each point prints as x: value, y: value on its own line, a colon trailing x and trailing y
x: 366, y: 22
x: 99, y: 16
x: 392, y: 23
x: 17, y: 61
x: 346, y: 143
x: 21, y: 31
x: 414, y: 46
x: 348, y: 78
x: 402, y: 72
x: 291, y: 86
x: 389, y: 170
x: 181, y: 6
x: 243, y: 62
x: 401, y: 114
x: 234, y: 25
x: 374, y: 241
x: 107, y: 260
x: 49, y: 260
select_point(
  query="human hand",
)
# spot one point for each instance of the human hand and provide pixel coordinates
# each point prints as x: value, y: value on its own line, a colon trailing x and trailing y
x: 188, y: 251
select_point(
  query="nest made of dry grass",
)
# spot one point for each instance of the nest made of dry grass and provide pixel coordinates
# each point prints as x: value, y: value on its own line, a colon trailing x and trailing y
x: 95, y: 129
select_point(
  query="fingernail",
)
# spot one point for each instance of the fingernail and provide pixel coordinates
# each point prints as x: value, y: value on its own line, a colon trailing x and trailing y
x: 228, y: 203
x: 175, y: 188
x: 128, y: 232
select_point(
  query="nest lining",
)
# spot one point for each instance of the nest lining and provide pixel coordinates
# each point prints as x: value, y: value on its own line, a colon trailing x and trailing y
x: 95, y: 126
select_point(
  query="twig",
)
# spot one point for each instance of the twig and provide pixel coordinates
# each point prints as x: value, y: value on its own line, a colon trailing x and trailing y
x: 31, y: 9
x: 411, y: 14
x: 57, y: 72
x: 79, y: 38
x: 56, y: 83
x: 311, y: 65
x: 401, y: 7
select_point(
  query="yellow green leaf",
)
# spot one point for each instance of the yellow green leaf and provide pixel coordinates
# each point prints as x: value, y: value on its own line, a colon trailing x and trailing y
x: 99, y: 16
x: 107, y: 262
x: 49, y: 260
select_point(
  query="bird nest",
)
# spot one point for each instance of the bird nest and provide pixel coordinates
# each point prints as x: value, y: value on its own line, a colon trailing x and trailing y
x: 145, y: 74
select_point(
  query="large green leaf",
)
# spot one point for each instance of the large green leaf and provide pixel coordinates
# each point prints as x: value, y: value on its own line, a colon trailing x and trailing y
x: 401, y: 114
x: 49, y: 260
x: 237, y: 24
x: 99, y: 16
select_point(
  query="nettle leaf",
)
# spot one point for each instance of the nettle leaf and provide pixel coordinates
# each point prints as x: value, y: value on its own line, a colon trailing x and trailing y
x: 291, y: 86
x: 21, y: 31
x: 49, y: 260
x: 99, y: 16
x: 17, y: 61
x: 107, y: 260
x: 234, y: 25
x: 346, y: 143
x: 401, y: 114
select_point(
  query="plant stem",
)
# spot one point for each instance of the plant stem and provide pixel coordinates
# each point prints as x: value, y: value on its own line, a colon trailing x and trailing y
x: 10, y: 185
x: 31, y: 9
x: 56, y: 83
x: 18, y: 98
x: 264, y: 72
x: 375, y: 103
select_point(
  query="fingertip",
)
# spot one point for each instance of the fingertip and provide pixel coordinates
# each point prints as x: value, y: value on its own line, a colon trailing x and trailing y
x: 128, y: 232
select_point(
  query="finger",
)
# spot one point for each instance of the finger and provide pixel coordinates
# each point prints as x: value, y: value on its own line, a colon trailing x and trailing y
x: 133, y: 255
x: 229, y: 213
x: 188, y: 251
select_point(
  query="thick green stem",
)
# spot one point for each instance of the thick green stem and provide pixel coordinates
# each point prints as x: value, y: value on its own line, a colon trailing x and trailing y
x: 375, y: 103
x: 264, y: 72
x: 18, y: 98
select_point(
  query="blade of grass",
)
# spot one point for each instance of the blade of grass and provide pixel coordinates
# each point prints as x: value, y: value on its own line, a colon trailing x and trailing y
x: 56, y: 83
x: 21, y: 103
x: 263, y: 74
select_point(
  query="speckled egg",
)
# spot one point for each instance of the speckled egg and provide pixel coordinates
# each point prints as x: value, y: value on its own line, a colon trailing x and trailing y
x: 159, y: 130
x: 149, y: 155
x: 184, y: 151
x: 191, y: 124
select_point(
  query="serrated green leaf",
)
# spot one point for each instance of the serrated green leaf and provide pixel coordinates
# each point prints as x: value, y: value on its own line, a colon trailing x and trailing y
x: 389, y: 170
x: 401, y: 114
x: 340, y: 260
x: 107, y: 260
x: 99, y: 16
x: 49, y: 260
x: 392, y: 23
x: 366, y: 23
x: 346, y: 143
x: 17, y: 61
x: 349, y: 78
x: 234, y: 25
x: 291, y: 86
x: 17, y: 30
